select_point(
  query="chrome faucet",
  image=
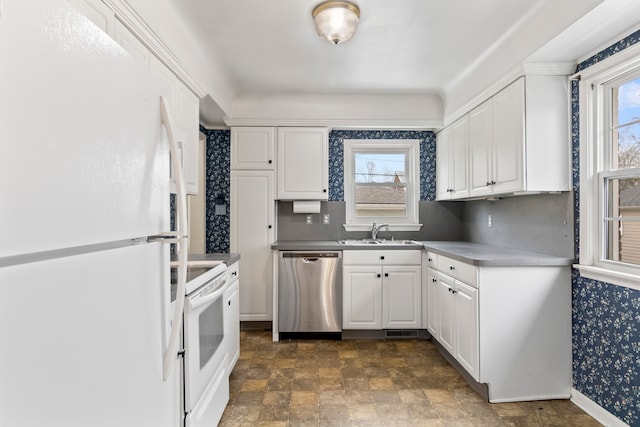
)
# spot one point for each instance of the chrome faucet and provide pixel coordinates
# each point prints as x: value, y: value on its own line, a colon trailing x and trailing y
x: 376, y: 228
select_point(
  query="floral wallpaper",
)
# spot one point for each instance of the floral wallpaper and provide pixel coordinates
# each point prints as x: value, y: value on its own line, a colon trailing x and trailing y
x: 606, y: 317
x: 427, y: 158
x: 218, y: 186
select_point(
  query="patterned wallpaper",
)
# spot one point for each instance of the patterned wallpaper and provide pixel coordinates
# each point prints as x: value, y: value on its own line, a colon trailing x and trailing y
x: 427, y: 158
x: 606, y: 317
x: 218, y: 183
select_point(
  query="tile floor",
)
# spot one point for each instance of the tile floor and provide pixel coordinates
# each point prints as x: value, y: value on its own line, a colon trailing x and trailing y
x: 367, y: 383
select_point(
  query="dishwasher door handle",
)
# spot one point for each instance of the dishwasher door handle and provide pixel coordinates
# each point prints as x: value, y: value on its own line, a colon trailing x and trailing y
x: 309, y: 260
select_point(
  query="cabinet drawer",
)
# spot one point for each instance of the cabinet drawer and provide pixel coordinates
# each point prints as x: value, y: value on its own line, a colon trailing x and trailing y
x: 458, y: 270
x: 234, y: 271
x: 381, y: 257
x: 432, y: 260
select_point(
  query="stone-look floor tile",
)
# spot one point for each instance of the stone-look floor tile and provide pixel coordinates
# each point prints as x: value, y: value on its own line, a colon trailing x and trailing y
x: 368, y: 383
x: 450, y: 410
x: 311, y: 384
x: 329, y: 372
x: 303, y: 412
x: 335, y: 412
x: 331, y: 384
x: 381, y: 384
x: 362, y: 412
x: 254, y: 385
x: 358, y: 397
x: 303, y: 397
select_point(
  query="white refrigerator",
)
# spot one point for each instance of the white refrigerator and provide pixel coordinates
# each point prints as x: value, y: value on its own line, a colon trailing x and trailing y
x: 85, y: 314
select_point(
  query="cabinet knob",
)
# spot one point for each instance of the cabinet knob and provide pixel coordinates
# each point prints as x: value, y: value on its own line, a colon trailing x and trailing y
x: 235, y: 273
x: 382, y: 257
x: 434, y: 280
x: 229, y: 303
x: 429, y: 259
x: 324, y: 190
x: 270, y: 161
x: 378, y: 275
x: 386, y: 274
x: 453, y: 291
x: 269, y: 226
x: 451, y: 267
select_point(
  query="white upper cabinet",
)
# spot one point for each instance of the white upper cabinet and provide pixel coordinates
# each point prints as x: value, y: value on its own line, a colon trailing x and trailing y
x: 303, y: 163
x: 518, y: 142
x: 452, y: 154
x: 253, y: 148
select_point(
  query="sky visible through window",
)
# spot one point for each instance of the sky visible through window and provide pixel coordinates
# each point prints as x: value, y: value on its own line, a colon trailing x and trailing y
x: 628, y: 132
x: 378, y: 167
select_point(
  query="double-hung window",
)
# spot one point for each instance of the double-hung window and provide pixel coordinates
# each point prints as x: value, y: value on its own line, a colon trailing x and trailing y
x: 381, y: 183
x: 610, y: 171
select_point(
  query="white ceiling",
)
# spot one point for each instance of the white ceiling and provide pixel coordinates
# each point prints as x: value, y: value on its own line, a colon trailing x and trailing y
x: 440, y: 48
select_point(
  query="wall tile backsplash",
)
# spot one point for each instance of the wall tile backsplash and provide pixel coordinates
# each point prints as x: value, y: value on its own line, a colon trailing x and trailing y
x: 606, y: 317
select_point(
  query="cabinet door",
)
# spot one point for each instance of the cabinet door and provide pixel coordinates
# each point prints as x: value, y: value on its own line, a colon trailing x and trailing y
x: 443, y: 144
x: 252, y: 233
x: 433, y: 306
x: 508, y: 138
x: 401, y: 297
x: 303, y: 163
x: 362, y: 297
x: 253, y: 148
x: 232, y: 324
x: 458, y: 161
x: 466, y: 321
x: 446, y: 331
x: 480, y: 149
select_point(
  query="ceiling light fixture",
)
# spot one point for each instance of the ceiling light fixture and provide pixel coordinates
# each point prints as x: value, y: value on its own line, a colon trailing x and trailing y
x: 336, y: 21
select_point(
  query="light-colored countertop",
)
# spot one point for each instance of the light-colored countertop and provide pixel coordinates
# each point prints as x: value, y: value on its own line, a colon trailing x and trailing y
x: 473, y: 253
x: 224, y: 257
x: 494, y: 256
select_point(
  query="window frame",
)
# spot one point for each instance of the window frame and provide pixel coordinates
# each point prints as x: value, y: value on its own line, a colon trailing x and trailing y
x: 411, y: 147
x: 596, y: 166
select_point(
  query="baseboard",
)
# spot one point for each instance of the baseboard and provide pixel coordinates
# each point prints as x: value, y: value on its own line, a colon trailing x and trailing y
x: 596, y: 411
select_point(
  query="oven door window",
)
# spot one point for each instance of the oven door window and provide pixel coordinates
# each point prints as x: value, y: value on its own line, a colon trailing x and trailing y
x: 211, y: 328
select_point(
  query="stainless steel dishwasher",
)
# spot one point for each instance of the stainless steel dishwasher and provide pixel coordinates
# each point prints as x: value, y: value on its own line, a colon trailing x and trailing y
x: 310, y: 291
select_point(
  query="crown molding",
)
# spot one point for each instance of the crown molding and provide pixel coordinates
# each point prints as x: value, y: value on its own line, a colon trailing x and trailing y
x: 524, y: 69
x: 345, y: 124
x: 134, y: 22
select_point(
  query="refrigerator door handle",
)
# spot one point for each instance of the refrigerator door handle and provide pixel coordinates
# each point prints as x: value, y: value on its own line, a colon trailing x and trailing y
x: 169, y: 356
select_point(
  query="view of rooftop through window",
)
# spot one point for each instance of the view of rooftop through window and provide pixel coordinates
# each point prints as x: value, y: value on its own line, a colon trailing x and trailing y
x: 380, y: 182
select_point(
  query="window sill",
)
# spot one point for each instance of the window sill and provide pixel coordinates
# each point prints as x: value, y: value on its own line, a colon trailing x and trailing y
x: 609, y: 276
x: 392, y: 227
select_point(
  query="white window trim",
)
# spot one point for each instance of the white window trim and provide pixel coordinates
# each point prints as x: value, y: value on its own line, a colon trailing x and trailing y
x: 413, y: 188
x: 592, y: 156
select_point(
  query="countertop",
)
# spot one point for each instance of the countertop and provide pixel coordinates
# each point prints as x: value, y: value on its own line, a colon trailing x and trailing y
x: 473, y: 253
x: 224, y: 257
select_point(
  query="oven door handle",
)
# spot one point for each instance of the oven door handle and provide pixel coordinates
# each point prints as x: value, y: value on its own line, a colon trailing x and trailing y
x: 202, y: 299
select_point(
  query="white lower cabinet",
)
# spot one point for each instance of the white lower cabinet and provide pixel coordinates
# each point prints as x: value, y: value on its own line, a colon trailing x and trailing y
x: 382, y: 289
x: 232, y: 317
x: 508, y: 327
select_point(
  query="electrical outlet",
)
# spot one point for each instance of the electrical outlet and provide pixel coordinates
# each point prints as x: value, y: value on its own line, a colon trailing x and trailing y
x: 490, y: 221
x: 325, y: 219
x: 309, y: 219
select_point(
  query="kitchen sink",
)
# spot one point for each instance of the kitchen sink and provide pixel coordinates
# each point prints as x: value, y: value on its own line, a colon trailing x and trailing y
x: 379, y: 242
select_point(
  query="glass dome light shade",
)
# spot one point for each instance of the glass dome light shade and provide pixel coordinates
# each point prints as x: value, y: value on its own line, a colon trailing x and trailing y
x: 336, y: 21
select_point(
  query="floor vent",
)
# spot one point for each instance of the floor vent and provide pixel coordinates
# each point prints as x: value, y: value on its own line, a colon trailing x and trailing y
x: 401, y: 334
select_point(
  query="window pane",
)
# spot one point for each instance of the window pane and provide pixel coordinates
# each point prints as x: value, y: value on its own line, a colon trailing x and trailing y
x: 380, y: 184
x: 622, y: 229
x: 625, y: 132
